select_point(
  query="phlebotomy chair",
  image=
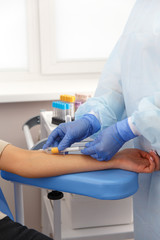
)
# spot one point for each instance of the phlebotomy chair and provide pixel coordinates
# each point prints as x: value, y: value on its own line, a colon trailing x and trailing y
x: 107, y: 185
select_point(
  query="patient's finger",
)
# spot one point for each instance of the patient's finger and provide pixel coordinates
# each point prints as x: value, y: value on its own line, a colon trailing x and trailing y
x: 148, y: 164
x: 144, y: 154
x: 156, y: 159
x: 152, y: 166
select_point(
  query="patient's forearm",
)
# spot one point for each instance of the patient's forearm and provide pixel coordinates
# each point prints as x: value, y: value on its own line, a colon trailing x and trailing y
x: 39, y: 164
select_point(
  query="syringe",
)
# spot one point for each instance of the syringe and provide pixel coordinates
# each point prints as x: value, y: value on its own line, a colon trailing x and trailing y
x: 54, y: 150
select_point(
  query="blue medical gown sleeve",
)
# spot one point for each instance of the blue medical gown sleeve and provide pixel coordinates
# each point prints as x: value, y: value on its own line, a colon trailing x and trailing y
x: 108, y: 102
x: 147, y: 120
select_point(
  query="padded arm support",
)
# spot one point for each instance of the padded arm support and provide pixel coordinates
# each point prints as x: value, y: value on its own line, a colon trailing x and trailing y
x: 106, y: 184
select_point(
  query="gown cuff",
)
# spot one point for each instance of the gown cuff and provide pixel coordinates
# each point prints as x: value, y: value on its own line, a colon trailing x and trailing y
x: 133, y: 127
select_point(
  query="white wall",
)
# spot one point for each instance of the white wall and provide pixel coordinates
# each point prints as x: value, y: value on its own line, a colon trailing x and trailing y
x: 12, y: 117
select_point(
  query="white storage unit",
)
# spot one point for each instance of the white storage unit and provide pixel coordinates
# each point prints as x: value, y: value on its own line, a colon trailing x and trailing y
x: 87, y: 212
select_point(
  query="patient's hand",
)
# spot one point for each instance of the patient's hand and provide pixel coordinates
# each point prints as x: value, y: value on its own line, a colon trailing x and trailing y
x: 137, y: 161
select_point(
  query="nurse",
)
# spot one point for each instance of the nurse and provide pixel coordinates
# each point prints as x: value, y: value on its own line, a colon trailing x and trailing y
x: 126, y: 106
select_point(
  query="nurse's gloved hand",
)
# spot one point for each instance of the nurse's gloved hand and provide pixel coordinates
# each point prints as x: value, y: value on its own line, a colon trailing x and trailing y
x: 109, y: 141
x: 68, y: 133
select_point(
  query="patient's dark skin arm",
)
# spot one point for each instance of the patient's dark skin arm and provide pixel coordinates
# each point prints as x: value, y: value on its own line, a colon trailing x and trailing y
x: 35, y: 164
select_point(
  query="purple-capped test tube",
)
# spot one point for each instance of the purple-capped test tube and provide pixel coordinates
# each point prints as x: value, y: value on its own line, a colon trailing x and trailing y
x: 77, y: 104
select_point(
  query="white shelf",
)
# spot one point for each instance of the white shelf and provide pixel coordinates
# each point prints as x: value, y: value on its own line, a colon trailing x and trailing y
x: 28, y: 91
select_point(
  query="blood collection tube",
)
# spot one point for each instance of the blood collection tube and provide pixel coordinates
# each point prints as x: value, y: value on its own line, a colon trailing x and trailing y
x: 67, y: 109
x: 63, y: 111
x: 77, y: 104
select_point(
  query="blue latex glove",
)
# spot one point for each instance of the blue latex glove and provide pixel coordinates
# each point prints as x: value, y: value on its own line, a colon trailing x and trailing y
x: 109, y: 141
x: 68, y: 133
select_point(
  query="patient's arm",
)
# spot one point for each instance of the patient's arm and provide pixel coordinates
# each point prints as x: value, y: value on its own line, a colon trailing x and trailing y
x: 40, y: 164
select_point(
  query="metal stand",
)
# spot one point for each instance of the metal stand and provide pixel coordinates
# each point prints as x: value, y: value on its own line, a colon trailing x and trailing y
x: 56, y: 196
x: 19, y: 206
